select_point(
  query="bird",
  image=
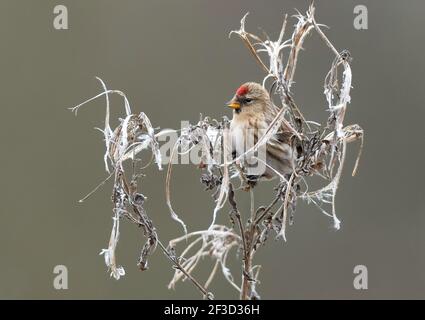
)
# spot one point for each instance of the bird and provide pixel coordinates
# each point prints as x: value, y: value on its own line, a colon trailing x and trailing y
x: 253, y: 111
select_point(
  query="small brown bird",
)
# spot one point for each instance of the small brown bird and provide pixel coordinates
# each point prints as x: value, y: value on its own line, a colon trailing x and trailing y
x: 253, y: 111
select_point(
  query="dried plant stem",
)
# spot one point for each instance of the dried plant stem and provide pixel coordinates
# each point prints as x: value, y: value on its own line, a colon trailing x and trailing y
x: 270, y: 206
x: 248, y: 252
x: 325, y: 38
x: 242, y: 232
x: 244, y: 293
x: 208, y: 295
x: 247, y: 262
x: 246, y: 278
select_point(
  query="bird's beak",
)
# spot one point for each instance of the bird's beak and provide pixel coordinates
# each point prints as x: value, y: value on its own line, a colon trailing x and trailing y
x: 234, y: 105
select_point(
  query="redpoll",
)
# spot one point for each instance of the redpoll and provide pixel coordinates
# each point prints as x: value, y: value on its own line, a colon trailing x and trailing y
x: 253, y: 111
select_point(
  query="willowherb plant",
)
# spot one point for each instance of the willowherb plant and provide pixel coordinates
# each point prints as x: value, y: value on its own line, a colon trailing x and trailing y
x: 321, y: 152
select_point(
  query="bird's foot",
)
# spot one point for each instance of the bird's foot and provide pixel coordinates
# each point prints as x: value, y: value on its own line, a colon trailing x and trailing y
x: 251, y: 182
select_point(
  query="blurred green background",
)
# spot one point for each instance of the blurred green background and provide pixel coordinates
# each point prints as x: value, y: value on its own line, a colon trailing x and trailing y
x: 174, y: 60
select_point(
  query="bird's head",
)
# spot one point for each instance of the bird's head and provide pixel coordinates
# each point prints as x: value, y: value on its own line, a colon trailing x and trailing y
x: 250, y: 98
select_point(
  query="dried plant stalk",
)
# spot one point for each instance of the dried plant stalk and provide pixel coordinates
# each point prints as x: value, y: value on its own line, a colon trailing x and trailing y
x: 321, y: 152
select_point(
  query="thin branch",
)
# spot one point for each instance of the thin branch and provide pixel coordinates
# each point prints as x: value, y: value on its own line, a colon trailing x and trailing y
x: 177, y: 265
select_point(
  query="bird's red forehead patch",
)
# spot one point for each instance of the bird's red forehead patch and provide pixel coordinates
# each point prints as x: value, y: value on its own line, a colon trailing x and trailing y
x: 242, y: 90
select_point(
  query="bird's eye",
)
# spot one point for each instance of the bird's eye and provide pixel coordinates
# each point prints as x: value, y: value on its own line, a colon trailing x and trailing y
x: 247, y: 100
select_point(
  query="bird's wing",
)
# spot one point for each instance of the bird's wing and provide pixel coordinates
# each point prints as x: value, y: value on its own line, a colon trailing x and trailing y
x: 283, y: 134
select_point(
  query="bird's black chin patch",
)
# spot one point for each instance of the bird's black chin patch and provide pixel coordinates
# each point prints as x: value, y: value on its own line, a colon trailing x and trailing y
x: 238, y: 110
